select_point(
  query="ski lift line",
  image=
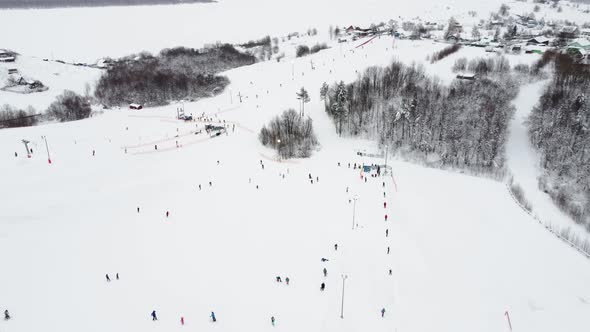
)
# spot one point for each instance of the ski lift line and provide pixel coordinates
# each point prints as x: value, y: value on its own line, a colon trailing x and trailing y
x: 228, y: 110
x: 148, y: 116
x: 394, y: 183
x: 202, y: 140
x: 368, y: 41
x: 245, y: 128
x: 282, y: 161
x: 175, y: 138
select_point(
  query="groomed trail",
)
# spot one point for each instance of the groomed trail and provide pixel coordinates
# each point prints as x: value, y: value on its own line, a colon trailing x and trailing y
x: 462, y: 253
x: 524, y: 164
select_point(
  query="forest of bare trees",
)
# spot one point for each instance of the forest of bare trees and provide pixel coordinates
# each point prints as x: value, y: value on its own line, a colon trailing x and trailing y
x: 559, y: 127
x: 463, y: 125
x: 175, y: 74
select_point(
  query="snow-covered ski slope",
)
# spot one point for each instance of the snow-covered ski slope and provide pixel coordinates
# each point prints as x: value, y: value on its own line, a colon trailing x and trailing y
x: 86, y: 34
x: 462, y: 252
x: 524, y: 165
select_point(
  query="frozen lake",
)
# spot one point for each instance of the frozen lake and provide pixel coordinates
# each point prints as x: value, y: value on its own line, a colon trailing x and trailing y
x: 86, y: 3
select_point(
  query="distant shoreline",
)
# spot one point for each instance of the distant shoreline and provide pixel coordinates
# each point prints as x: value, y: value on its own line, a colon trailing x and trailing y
x: 48, y: 4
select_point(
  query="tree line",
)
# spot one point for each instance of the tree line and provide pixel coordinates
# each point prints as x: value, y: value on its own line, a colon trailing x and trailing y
x: 559, y: 128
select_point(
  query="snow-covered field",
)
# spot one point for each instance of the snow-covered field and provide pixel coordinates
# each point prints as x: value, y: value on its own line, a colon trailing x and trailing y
x: 56, y: 76
x: 88, y: 34
x: 462, y: 252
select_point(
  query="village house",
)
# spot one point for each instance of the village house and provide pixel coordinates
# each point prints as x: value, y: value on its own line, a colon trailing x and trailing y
x: 581, y: 43
x: 466, y: 76
x: 569, y: 32
x: 580, y: 49
x: 540, y: 40
x: 5, y: 57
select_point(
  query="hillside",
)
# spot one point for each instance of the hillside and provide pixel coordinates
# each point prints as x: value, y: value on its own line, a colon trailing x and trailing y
x: 463, y: 254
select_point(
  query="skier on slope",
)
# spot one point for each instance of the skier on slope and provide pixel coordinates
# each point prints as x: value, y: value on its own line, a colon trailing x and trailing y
x: 6, y: 315
x: 213, y: 317
x: 322, y: 287
x: 383, y: 312
x: 272, y: 320
x: 386, y: 232
x: 325, y: 272
x: 154, y: 317
x: 108, y: 279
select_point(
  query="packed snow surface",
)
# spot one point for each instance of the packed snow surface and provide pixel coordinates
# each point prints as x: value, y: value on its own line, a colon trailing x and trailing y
x: 462, y: 257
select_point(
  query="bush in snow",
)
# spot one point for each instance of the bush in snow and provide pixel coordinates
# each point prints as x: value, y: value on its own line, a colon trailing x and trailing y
x: 460, y: 65
x: 485, y: 66
x: 255, y: 43
x: 445, y: 52
x: 69, y: 106
x: 518, y: 193
x: 302, y: 50
x: 290, y: 134
x: 318, y: 47
x: 522, y: 68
